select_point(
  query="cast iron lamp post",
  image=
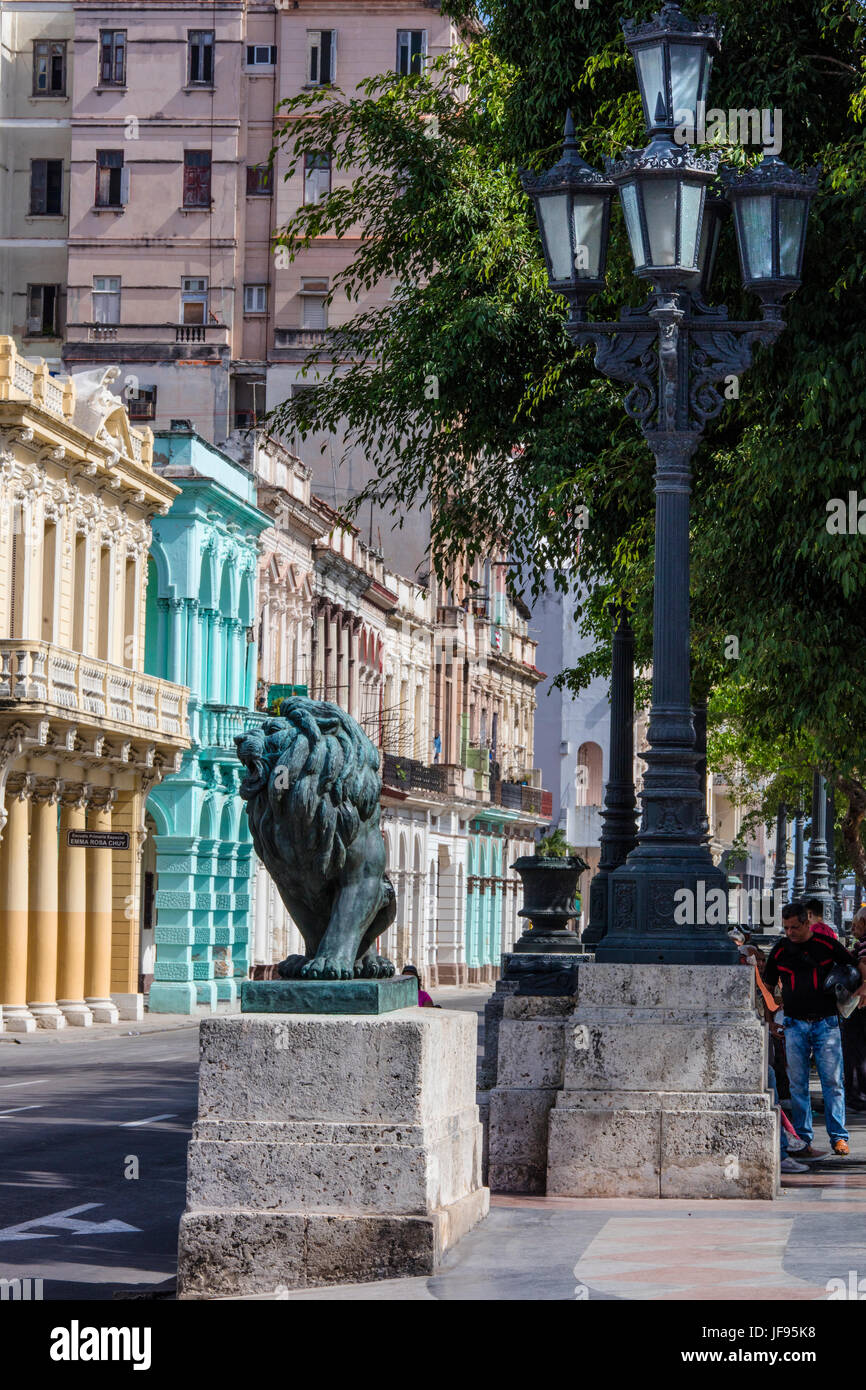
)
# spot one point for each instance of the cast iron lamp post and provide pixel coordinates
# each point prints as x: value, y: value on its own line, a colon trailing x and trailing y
x: 817, y: 860
x: 673, y: 351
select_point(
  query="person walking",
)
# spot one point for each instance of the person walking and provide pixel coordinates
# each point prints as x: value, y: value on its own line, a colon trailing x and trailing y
x: 854, y: 1029
x: 799, y: 965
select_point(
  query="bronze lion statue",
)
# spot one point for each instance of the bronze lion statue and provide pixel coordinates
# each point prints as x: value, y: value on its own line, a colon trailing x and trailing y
x: 312, y: 791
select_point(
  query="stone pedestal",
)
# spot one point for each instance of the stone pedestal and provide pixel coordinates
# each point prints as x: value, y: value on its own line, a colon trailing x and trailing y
x: 330, y: 1149
x: 664, y: 1087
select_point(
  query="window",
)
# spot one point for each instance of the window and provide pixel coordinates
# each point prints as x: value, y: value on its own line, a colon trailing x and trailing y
x: 411, y: 51
x: 313, y: 295
x: 255, y: 299
x: 200, y: 61
x: 46, y: 187
x: 196, y: 179
x: 259, y: 180
x: 42, y: 305
x: 106, y: 299
x: 112, y: 179
x: 112, y: 57
x: 49, y: 68
x: 193, y: 299
x: 261, y: 55
x: 142, y: 405
x: 321, y: 56
x: 317, y: 177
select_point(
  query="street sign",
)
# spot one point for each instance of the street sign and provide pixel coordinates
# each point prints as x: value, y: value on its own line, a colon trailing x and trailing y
x: 97, y: 839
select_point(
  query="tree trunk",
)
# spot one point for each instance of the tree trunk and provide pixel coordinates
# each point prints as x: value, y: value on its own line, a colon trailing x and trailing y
x: 855, y: 793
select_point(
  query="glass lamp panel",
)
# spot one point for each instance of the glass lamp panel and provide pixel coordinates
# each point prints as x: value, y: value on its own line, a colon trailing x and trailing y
x: 792, y: 220
x: 691, y: 198
x: 685, y: 79
x: 756, y: 236
x: 651, y: 77
x: 588, y: 214
x: 553, y: 211
x: 660, y: 210
x: 628, y: 194
x: 705, y: 78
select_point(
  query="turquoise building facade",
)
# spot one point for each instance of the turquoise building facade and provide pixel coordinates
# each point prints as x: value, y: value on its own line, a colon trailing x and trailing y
x: 200, y: 632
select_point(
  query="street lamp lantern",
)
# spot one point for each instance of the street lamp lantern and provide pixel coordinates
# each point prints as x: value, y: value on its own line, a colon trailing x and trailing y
x: 572, y: 204
x: 716, y: 211
x: 663, y: 189
x: 771, y: 206
x: 674, y: 57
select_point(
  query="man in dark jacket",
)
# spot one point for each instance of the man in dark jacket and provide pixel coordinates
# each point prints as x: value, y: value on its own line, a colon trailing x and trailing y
x: 800, y: 965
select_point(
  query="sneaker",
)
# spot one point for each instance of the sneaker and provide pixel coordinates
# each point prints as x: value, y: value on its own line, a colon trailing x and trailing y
x: 796, y: 1146
x: 790, y: 1165
x: 841, y: 1147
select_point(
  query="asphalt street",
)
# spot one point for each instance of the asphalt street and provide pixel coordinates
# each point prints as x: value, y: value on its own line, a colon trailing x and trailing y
x: 93, y: 1135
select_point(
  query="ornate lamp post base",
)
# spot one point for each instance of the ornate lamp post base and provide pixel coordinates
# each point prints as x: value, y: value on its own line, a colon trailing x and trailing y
x: 670, y: 910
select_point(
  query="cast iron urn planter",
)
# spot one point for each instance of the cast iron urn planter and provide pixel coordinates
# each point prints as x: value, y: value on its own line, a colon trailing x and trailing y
x: 549, y: 891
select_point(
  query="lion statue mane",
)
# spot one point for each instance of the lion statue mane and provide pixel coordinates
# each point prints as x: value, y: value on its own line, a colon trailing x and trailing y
x: 312, y: 790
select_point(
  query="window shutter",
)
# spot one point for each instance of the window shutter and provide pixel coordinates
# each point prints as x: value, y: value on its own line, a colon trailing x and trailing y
x: 124, y: 185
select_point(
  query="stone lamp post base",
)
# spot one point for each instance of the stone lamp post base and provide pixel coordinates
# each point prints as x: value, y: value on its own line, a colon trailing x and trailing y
x: 652, y: 1082
x: 330, y: 1149
x: 664, y: 1088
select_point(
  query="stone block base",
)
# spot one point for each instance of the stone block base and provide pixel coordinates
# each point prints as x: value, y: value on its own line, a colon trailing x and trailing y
x: 129, y: 1006
x: 657, y: 1144
x: 329, y: 1149
x: 664, y: 1090
x: 103, y: 1010
x: 76, y: 1012
x: 170, y: 998
x: 17, y: 1018
x: 47, y: 1016
x: 224, y: 1254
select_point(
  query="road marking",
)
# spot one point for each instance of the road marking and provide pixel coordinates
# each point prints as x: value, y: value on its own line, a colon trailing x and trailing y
x: 15, y: 1109
x: 151, y: 1120
x: 64, y: 1221
x: 7, y: 1084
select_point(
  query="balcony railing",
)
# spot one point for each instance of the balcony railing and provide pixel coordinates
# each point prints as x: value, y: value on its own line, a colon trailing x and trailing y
x: 516, y: 796
x: 204, y: 334
x: 409, y: 773
x: 300, y: 337
x: 43, y: 673
x: 215, y: 726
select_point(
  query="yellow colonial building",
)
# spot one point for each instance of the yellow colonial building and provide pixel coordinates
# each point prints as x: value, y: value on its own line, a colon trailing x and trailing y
x: 84, y: 734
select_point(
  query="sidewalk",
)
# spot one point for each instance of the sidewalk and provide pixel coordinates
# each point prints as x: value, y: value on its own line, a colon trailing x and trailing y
x: 151, y: 1023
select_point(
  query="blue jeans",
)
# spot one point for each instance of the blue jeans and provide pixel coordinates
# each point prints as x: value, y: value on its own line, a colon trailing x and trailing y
x: 822, y: 1038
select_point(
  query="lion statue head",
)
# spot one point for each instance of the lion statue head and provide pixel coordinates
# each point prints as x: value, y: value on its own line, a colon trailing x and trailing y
x: 312, y: 790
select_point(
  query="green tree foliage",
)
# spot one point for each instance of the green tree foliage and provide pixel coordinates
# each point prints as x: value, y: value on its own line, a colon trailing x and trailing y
x: 466, y: 393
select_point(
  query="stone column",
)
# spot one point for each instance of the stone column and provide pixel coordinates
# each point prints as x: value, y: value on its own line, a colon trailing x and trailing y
x: 97, y: 975
x: 232, y: 641
x: 72, y: 903
x: 175, y: 641
x: 193, y: 647
x: 42, y: 955
x: 14, y: 867
x: 799, y: 884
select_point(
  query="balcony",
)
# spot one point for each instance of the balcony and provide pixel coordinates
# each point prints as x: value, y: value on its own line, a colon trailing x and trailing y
x: 76, y: 685
x: 516, y: 796
x: 300, y: 337
x: 96, y: 340
x: 409, y: 774
x: 216, y: 726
